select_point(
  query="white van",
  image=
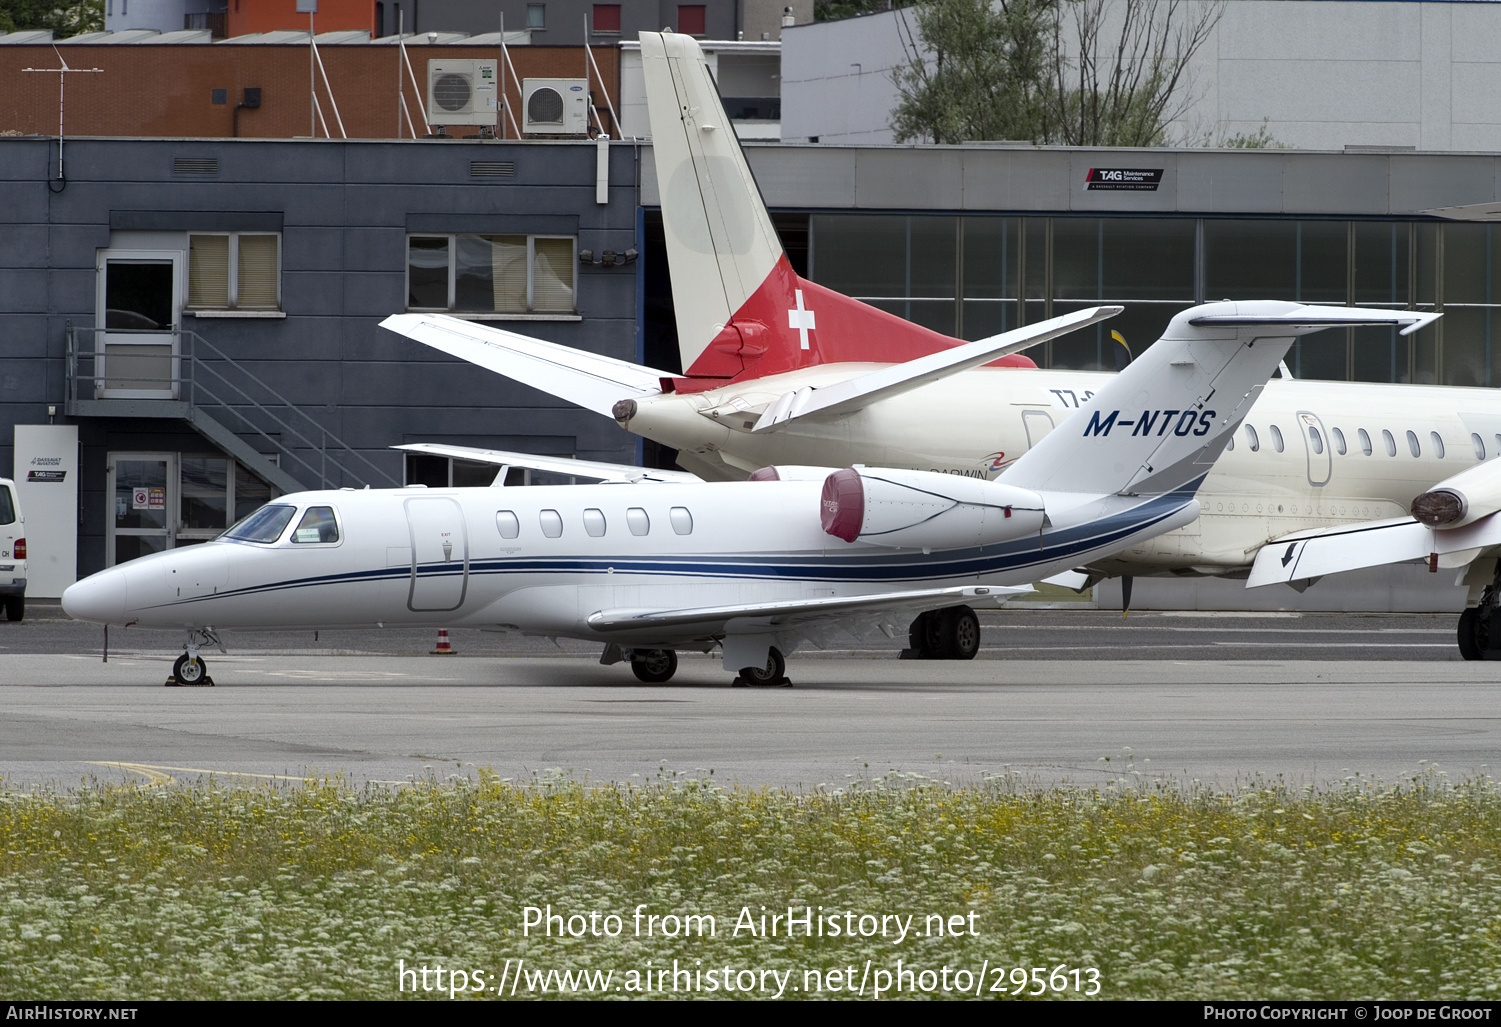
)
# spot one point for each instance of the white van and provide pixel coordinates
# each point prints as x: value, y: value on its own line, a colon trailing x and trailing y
x: 12, y: 552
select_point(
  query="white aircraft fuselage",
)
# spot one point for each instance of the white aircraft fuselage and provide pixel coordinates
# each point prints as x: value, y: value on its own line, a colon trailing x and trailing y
x: 656, y: 566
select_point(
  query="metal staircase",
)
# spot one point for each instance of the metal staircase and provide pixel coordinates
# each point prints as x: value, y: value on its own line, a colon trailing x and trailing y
x: 225, y: 403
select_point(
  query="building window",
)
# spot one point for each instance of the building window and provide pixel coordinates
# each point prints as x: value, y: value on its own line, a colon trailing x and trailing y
x: 536, y: 16
x: 234, y: 271
x: 482, y: 274
x: 607, y: 18
x: 691, y: 19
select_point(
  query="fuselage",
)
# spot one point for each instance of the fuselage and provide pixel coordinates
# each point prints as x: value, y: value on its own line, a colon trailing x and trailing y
x: 544, y: 560
x: 1314, y: 470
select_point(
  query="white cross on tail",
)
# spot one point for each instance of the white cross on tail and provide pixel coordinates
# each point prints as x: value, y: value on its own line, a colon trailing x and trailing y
x: 801, y: 319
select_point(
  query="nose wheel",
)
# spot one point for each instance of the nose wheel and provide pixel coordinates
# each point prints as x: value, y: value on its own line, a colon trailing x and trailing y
x: 190, y: 670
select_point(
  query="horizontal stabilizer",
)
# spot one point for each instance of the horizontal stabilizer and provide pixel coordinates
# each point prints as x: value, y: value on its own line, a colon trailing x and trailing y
x: 1313, y: 554
x: 1312, y: 318
x: 588, y: 380
x: 843, y: 397
x: 593, y: 470
x: 713, y: 619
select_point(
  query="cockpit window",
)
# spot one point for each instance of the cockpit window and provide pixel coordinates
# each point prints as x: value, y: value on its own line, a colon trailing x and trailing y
x: 265, y: 525
x: 317, y: 525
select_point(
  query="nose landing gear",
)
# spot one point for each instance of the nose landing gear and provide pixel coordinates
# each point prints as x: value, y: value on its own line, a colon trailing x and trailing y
x: 190, y: 670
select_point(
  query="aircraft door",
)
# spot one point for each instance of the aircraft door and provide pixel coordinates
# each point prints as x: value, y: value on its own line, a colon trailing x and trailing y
x: 1038, y: 423
x: 1317, y: 445
x: 440, y: 554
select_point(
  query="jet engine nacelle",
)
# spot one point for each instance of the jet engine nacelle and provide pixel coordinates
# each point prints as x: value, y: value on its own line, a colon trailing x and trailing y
x: 923, y: 509
x: 1462, y: 499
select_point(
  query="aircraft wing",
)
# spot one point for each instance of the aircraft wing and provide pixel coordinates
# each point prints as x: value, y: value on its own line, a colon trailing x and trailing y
x: 796, y: 613
x: 831, y: 401
x: 588, y: 380
x: 1312, y: 554
x: 594, y: 470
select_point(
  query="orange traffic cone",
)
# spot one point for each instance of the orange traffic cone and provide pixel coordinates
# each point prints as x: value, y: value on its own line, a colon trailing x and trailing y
x: 444, y: 649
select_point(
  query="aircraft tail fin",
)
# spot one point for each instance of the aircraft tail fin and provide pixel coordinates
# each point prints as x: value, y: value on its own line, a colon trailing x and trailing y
x: 1159, y: 425
x: 742, y: 312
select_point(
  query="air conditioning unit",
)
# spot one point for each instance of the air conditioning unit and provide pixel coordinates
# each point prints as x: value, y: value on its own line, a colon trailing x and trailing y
x: 555, y: 106
x: 461, y: 92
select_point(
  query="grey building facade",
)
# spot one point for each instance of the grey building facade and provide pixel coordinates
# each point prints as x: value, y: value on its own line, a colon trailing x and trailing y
x: 206, y: 312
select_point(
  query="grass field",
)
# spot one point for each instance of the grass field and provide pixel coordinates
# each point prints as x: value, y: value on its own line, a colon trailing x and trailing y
x: 225, y: 891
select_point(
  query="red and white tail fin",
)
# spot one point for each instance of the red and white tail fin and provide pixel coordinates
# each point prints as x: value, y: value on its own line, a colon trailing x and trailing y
x: 742, y: 312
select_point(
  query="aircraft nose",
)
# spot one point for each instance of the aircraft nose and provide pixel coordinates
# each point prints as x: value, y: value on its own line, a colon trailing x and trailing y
x: 99, y: 598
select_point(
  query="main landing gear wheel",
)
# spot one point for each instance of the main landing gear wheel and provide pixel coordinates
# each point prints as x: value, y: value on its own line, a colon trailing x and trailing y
x: 952, y: 633
x: 1474, y: 633
x: 654, y: 666
x: 190, y: 670
x: 774, y: 674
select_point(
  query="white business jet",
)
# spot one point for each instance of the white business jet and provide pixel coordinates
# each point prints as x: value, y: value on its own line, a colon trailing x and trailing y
x: 757, y: 567
x: 779, y: 370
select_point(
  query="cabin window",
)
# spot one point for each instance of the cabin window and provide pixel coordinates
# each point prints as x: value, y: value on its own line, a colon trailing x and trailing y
x: 682, y: 520
x: 637, y: 521
x: 1479, y: 444
x: 1391, y: 443
x: 1339, y: 441
x: 1365, y: 442
x: 1276, y: 437
x: 317, y: 525
x: 509, y: 526
x: 1412, y: 444
x: 1315, y: 439
x: 594, y: 522
x: 1438, y: 444
x: 552, y: 523
x: 1230, y: 444
x: 265, y: 525
x: 1252, y: 440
